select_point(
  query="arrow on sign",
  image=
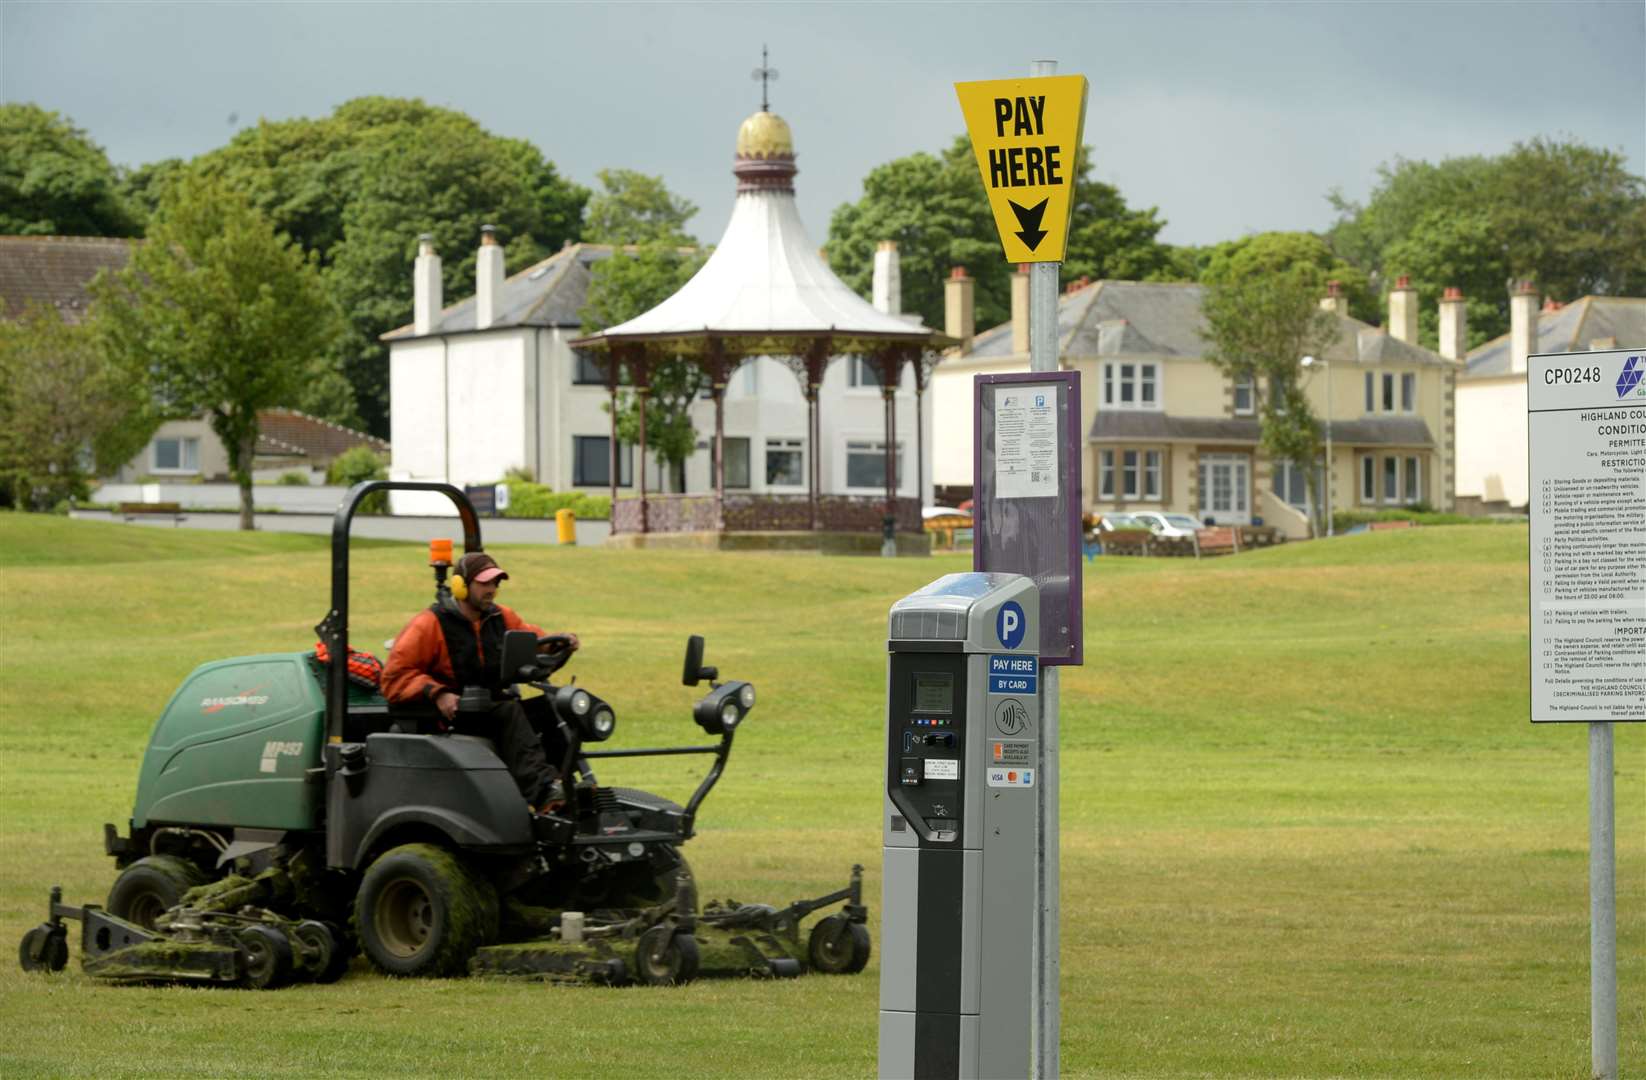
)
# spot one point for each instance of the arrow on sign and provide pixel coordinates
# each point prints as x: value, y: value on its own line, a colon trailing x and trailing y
x: 1028, y: 222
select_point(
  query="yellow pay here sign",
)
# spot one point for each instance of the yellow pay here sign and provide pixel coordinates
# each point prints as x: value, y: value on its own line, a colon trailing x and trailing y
x: 1026, y: 133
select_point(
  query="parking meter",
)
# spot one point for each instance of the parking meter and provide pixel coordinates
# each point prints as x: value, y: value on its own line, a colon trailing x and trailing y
x: 962, y: 724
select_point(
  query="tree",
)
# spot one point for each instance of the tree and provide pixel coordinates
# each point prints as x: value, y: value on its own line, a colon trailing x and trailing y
x: 935, y: 207
x: 1305, y: 256
x: 54, y: 180
x: 1260, y: 326
x: 356, y: 189
x: 64, y: 410
x: 1569, y: 216
x: 637, y: 209
x: 621, y: 287
x: 218, y: 315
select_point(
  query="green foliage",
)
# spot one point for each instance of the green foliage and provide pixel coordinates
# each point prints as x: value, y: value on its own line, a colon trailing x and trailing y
x: 65, y: 412
x: 356, y: 189
x: 293, y: 478
x: 936, y: 209
x: 1569, y: 216
x: 54, y: 180
x: 357, y: 464
x: 635, y: 208
x: 1304, y: 256
x: 1343, y: 520
x: 1260, y: 325
x: 620, y: 288
x: 532, y: 500
x: 217, y: 315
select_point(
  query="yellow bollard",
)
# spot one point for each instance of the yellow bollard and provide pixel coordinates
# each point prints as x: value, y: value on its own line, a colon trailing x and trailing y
x: 565, y: 525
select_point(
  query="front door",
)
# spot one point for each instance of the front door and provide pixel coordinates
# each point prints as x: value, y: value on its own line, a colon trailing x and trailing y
x: 1225, y: 488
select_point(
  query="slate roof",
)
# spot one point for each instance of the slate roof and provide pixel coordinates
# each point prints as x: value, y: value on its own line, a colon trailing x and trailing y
x: 1140, y: 425
x: 547, y: 293
x: 290, y: 433
x: 1145, y: 318
x: 56, y: 271
x: 1569, y: 328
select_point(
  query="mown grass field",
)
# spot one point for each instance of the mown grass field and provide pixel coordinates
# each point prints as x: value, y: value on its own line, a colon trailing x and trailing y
x: 1307, y: 828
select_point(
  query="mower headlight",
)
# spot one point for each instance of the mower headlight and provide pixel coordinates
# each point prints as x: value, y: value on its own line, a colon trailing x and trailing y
x: 730, y: 714
x: 572, y: 703
x: 601, y: 724
x: 723, y: 708
x: 745, y: 696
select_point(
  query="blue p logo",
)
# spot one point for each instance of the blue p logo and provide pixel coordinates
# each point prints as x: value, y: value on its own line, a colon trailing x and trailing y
x: 1009, y: 624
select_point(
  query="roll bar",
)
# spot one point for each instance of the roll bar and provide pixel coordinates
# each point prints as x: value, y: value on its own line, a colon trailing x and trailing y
x: 333, y: 630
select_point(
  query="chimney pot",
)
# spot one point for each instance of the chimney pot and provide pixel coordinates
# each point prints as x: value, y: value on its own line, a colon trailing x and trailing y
x: 1334, y: 288
x: 1522, y: 288
x: 1551, y: 304
x: 488, y: 234
x: 1452, y: 293
x: 886, y: 245
x: 957, y: 273
x: 1403, y: 282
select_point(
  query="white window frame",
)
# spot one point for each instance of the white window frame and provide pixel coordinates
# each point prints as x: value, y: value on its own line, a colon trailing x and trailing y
x: 1247, y: 383
x: 784, y: 446
x: 1388, y: 391
x: 187, y: 446
x: 1240, y: 482
x: 1371, y: 392
x: 1105, y: 474
x: 1139, y: 480
x: 877, y: 443
x: 1411, y: 469
x: 1368, y: 479
x: 1408, y: 391
x: 1144, y: 372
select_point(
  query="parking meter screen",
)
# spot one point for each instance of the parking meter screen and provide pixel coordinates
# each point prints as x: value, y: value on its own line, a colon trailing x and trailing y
x: 933, y: 692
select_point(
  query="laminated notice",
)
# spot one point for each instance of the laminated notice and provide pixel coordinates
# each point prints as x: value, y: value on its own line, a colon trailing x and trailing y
x: 942, y: 769
x: 1025, y: 442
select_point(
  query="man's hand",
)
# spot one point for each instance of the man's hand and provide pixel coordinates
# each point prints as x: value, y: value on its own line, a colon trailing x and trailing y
x: 446, y: 702
x: 554, y: 643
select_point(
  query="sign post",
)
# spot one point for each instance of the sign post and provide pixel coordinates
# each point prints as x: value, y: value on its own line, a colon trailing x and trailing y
x: 1026, y: 135
x: 1586, y: 443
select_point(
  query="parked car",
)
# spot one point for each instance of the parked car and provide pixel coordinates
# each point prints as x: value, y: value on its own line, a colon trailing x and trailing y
x: 1167, y: 524
x: 1116, y: 522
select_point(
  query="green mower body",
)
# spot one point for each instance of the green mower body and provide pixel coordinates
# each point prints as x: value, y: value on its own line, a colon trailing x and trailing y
x: 235, y: 746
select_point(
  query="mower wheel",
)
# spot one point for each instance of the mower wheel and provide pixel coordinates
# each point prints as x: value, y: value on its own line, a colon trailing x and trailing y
x: 328, y: 957
x: 146, y: 888
x: 420, y: 911
x: 267, y: 953
x: 665, y: 958
x: 44, y: 948
x: 838, y: 946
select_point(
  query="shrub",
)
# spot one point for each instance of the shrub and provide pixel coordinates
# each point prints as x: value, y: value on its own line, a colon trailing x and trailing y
x: 357, y: 464
x: 532, y: 500
x: 1344, y: 520
x: 294, y: 478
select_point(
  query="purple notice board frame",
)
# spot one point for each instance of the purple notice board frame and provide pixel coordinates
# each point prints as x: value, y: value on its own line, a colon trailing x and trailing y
x: 1038, y: 537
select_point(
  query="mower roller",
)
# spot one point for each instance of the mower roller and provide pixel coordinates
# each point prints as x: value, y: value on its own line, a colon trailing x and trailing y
x: 288, y: 816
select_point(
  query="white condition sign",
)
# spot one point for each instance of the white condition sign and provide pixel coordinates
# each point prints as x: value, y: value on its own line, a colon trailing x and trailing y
x: 1586, y: 433
x: 1025, y: 442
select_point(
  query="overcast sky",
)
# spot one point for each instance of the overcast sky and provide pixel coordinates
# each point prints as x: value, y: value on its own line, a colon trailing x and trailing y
x: 1230, y: 117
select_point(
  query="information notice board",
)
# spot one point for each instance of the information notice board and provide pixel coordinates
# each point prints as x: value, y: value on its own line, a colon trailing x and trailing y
x: 1026, y: 509
x: 1586, y: 441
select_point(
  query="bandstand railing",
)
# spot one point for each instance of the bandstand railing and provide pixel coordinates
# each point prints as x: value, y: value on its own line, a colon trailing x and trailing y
x: 761, y: 513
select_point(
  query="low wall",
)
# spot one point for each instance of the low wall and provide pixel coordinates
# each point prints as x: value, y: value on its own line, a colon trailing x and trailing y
x: 762, y: 513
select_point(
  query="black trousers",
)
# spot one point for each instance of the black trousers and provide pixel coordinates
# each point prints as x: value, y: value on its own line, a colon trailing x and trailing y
x: 507, y: 725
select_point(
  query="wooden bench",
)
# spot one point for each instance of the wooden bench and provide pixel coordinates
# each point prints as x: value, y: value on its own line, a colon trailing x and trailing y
x: 1126, y: 542
x: 1218, y: 540
x: 1404, y: 523
x: 951, y: 528
x: 130, y: 511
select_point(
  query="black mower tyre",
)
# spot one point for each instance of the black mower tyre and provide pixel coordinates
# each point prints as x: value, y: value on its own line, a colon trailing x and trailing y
x: 665, y: 958
x: 146, y: 888
x: 267, y: 952
x: 330, y: 954
x: 838, y: 946
x: 421, y: 912
x: 43, y: 949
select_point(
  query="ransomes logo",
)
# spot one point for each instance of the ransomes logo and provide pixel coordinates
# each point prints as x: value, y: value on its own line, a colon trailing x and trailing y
x: 218, y: 704
x: 1629, y: 378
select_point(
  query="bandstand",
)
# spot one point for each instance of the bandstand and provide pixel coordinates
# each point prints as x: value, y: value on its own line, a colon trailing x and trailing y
x: 766, y: 291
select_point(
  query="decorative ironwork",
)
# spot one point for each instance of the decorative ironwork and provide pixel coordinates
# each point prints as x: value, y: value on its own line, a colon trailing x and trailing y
x: 766, y: 74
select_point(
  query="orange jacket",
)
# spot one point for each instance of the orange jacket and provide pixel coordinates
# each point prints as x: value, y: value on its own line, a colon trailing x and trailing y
x: 419, y: 665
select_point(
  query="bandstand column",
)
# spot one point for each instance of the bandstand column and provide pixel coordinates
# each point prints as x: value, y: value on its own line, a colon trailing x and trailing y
x: 641, y: 374
x: 889, y: 364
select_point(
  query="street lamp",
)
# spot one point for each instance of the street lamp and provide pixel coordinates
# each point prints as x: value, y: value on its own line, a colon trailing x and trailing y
x: 1309, y: 362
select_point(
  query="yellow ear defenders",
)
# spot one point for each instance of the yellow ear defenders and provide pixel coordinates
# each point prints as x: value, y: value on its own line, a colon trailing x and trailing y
x: 460, y: 588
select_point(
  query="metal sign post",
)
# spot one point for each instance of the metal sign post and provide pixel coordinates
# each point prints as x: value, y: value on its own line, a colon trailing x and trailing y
x: 1586, y: 445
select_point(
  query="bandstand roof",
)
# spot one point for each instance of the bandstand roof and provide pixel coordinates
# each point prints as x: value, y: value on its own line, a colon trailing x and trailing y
x: 766, y: 284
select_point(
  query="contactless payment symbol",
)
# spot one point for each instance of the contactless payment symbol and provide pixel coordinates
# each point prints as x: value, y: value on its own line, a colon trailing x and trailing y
x: 1009, y: 624
x: 1629, y: 378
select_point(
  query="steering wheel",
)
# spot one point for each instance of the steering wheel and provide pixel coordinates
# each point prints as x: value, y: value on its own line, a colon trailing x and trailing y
x: 553, y: 652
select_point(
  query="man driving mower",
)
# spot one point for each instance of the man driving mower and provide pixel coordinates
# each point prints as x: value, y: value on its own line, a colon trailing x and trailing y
x: 456, y: 642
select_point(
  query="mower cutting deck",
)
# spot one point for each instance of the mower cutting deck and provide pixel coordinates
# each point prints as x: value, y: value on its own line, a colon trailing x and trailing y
x: 282, y: 800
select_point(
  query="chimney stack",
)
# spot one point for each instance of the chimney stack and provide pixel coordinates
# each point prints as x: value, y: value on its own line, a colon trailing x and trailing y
x: 1020, y: 309
x: 1522, y: 324
x: 1454, y: 324
x: 488, y: 272
x: 888, y: 279
x: 426, y: 298
x: 1403, y: 310
x: 1334, y: 300
x: 959, y: 314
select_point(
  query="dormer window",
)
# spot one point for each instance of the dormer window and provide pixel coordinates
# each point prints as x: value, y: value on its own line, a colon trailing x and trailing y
x: 1129, y: 384
x: 1245, y: 396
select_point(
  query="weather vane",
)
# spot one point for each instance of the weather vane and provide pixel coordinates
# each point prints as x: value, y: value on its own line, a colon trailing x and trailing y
x: 765, y: 73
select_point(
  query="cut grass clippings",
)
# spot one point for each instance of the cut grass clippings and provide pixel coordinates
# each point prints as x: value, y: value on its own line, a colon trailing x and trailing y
x: 1307, y: 829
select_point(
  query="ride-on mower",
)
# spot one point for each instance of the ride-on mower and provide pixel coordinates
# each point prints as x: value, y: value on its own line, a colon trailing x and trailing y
x: 287, y: 815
